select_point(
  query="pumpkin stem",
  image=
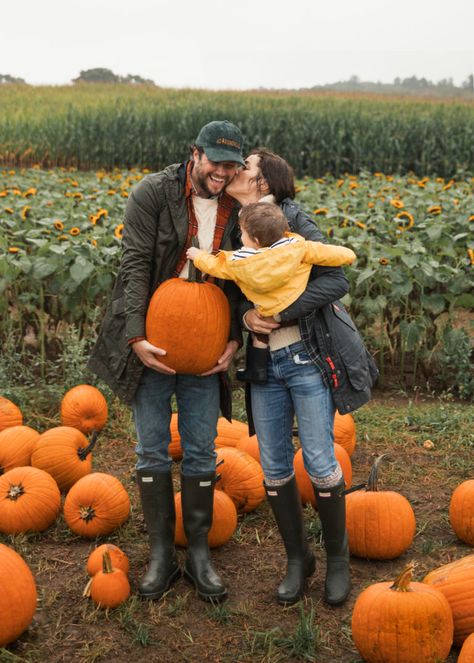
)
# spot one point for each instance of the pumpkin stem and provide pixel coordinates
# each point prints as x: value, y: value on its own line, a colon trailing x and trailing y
x: 194, y: 274
x: 83, y: 452
x: 87, y: 513
x: 15, y: 491
x: 106, y: 563
x: 373, y: 476
x: 402, y: 581
x: 87, y: 589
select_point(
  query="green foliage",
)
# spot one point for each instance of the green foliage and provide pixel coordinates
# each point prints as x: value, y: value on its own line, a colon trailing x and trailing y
x: 455, y: 360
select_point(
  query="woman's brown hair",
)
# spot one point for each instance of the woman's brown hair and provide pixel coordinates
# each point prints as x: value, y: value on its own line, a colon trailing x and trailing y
x: 277, y: 172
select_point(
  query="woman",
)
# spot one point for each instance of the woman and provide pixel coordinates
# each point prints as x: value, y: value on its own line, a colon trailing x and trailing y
x: 317, y: 362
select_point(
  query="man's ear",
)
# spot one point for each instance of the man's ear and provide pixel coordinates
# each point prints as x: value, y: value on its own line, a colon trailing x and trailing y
x: 196, y: 155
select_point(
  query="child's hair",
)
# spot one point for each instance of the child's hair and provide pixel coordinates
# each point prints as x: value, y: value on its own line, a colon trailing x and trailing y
x: 264, y: 222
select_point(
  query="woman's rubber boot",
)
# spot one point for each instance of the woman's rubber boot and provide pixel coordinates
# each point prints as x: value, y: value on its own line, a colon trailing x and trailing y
x: 157, y: 497
x: 285, y: 502
x: 255, y: 370
x: 197, y: 500
x: 331, y: 505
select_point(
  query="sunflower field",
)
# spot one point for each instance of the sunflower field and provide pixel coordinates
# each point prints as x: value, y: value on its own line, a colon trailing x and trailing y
x: 411, y: 287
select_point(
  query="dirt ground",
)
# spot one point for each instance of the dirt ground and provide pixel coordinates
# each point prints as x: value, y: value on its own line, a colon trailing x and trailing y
x: 250, y: 626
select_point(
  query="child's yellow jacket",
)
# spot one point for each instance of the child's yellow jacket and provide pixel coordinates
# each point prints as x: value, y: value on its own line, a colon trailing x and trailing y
x: 274, y: 278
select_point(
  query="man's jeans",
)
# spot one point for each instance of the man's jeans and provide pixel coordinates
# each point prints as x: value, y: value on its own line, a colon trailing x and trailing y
x: 294, y: 386
x: 198, y: 409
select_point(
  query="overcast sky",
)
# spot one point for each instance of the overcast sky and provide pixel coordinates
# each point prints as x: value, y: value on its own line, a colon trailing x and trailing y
x: 238, y: 44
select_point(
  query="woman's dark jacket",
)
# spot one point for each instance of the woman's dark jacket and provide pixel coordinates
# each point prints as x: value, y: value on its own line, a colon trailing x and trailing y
x: 156, y: 226
x: 349, y: 370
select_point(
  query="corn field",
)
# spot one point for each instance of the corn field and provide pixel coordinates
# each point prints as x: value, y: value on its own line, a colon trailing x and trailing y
x: 92, y: 126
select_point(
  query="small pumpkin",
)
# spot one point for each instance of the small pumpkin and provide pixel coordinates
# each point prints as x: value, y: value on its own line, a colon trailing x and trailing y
x: 241, y: 477
x: 65, y: 453
x: 304, y: 482
x: 10, y: 414
x: 174, y: 447
x: 229, y: 432
x: 466, y: 655
x: 249, y: 444
x: 84, y: 407
x: 380, y: 524
x: 456, y: 582
x: 224, y: 520
x: 96, y: 505
x: 461, y: 511
x: 18, y: 596
x: 109, y: 587
x: 118, y: 557
x: 16, y: 445
x: 29, y: 500
x: 191, y: 321
x: 402, y: 621
x: 345, y: 431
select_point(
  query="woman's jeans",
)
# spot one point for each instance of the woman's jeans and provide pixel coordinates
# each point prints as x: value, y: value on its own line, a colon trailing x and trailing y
x: 294, y: 386
x: 197, y: 398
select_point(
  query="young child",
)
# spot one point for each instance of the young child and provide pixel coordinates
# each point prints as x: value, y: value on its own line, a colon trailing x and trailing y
x: 272, y: 268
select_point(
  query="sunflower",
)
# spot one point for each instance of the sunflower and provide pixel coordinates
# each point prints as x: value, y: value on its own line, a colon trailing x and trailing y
x: 371, y: 204
x: 75, y: 231
x: 30, y: 192
x: 77, y: 195
x: 8, y: 210
x: 25, y: 212
x: 410, y: 219
x: 421, y: 184
x: 94, y: 243
x: 384, y: 261
x: 3, y: 194
x: 124, y: 194
x: 448, y: 185
x: 93, y: 218
x: 118, y: 232
x: 13, y: 249
x: 320, y: 180
x: 339, y: 183
x: 321, y: 210
x: 470, y: 253
x: 102, y: 212
x: 471, y: 218
x: 59, y: 225
x: 353, y: 185
x: 361, y: 225
x: 434, y: 209
x: 378, y: 174
x: 62, y: 237
x: 111, y: 192
x: 397, y: 203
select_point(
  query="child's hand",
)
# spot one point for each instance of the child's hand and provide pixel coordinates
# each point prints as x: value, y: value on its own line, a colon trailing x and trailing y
x: 192, y: 253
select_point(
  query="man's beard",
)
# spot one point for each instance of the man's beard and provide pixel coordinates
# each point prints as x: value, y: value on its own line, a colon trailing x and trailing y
x: 201, y: 183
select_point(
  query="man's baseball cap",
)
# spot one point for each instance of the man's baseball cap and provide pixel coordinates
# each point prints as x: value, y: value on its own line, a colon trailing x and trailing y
x: 221, y: 141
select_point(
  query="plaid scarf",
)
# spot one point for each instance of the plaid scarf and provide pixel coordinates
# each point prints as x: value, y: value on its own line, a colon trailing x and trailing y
x: 224, y: 208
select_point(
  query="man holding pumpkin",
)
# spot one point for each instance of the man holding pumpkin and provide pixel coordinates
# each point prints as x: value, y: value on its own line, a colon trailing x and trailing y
x: 166, y: 212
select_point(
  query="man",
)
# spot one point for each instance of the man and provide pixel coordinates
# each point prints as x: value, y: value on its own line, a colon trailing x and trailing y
x: 165, y: 211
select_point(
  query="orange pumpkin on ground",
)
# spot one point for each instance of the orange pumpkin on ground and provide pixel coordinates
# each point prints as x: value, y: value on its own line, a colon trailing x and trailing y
x: 29, y: 500
x: 191, y: 321
x: 109, y: 587
x: 380, y: 523
x: 118, y: 557
x: 63, y: 452
x: 241, y: 478
x: 345, y: 431
x: 466, y: 655
x: 461, y: 511
x: 10, y: 414
x: 229, y: 433
x: 304, y: 482
x: 402, y: 621
x: 224, y: 521
x: 456, y: 582
x: 174, y: 447
x: 249, y: 444
x: 18, y: 596
x: 96, y: 505
x: 16, y: 445
x: 84, y: 407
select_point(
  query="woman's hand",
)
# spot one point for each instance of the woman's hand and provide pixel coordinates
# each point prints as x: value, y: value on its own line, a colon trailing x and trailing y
x: 224, y: 360
x: 147, y: 353
x: 258, y: 323
x: 192, y: 252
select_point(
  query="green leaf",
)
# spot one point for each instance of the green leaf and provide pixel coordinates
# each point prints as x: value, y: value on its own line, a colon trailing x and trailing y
x: 364, y: 275
x: 43, y: 267
x: 466, y: 300
x: 434, y: 303
x: 410, y: 261
x: 81, y: 269
x: 412, y: 333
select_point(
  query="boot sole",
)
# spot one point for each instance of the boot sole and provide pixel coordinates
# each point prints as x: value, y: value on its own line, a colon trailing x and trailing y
x: 157, y: 595
x: 202, y: 595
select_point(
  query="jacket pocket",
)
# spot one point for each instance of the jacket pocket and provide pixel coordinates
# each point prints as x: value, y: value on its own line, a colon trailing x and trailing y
x: 341, y: 314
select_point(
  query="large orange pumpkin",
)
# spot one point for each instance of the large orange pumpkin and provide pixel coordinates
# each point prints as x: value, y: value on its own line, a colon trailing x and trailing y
x: 16, y: 445
x: 345, y: 431
x: 380, y: 523
x: 29, y: 500
x: 461, y: 511
x: 402, y: 621
x: 456, y: 582
x: 249, y: 444
x: 466, y: 655
x: 304, y: 482
x: 96, y: 505
x: 241, y: 477
x: 224, y: 520
x: 10, y: 414
x: 230, y: 432
x: 64, y: 452
x: 191, y: 321
x: 84, y: 407
x: 18, y: 596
